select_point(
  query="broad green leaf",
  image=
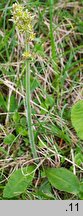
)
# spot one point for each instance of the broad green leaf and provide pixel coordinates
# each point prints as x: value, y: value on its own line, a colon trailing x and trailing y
x: 9, y: 139
x: 77, y: 118
x: 63, y: 180
x: 18, y: 182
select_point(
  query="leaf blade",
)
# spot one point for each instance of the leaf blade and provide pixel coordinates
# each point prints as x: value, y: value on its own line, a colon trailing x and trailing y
x: 63, y: 180
x: 77, y: 118
x: 18, y: 182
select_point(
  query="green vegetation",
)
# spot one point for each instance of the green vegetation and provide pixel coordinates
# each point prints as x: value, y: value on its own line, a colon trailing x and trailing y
x: 77, y: 118
x: 41, y: 102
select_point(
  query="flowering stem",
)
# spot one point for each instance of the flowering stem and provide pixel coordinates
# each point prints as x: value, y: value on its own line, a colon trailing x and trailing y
x: 28, y: 108
x: 23, y: 21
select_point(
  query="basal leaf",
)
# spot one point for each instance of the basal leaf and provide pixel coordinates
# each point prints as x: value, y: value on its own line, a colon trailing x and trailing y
x: 63, y: 180
x: 18, y: 182
x: 77, y: 118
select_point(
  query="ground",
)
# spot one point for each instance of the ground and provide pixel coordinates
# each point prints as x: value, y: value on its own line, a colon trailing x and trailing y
x: 56, y: 84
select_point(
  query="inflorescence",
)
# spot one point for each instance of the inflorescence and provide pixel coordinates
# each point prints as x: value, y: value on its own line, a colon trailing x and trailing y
x: 23, y: 21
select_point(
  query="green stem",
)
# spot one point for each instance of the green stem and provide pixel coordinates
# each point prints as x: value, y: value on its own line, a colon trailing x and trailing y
x: 53, y: 47
x: 28, y: 109
x: 51, y: 2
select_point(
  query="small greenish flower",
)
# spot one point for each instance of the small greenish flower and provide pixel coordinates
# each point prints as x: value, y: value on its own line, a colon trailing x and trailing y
x: 23, y: 21
x: 27, y: 55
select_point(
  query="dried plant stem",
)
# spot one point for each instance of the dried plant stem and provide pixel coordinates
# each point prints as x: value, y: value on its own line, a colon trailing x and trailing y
x: 28, y: 108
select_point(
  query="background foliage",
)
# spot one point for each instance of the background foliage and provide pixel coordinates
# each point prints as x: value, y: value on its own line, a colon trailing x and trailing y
x: 56, y: 85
